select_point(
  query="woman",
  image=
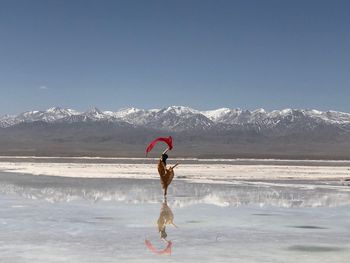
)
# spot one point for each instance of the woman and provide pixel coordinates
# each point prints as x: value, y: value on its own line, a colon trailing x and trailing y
x: 166, y: 174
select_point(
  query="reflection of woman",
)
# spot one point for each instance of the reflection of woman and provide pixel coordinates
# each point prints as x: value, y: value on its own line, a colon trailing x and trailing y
x: 166, y: 174
x: 166, y: 217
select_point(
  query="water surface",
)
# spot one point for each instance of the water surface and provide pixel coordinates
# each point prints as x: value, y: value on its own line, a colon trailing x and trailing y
x: 49, y: 219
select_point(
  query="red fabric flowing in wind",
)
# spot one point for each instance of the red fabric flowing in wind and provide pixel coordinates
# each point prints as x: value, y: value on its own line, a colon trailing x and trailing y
x: 167, y: 140
x: 166, y: 251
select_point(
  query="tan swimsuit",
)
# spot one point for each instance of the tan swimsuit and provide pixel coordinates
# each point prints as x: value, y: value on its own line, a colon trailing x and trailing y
x: 166, y: 175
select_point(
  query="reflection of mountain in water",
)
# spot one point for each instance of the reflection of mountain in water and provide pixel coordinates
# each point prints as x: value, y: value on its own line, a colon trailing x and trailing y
x: 54, y: 189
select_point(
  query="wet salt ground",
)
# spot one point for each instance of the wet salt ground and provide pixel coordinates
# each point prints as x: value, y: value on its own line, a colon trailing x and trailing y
x: 45, y: 219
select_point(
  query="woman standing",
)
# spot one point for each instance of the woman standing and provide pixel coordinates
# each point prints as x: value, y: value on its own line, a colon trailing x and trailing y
x: 166, y: 174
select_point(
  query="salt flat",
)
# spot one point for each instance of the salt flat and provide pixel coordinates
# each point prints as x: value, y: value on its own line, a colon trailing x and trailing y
x: 93, y: 210
x: 140, y: 168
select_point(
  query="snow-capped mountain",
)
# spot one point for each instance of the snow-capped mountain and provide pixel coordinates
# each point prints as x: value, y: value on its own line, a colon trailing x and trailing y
x: 180, y: 118
x: 7, y: 121
x: 50, y: 115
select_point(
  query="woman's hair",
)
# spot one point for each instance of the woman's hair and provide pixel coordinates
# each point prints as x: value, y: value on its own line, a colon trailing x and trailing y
x: 164, y: 157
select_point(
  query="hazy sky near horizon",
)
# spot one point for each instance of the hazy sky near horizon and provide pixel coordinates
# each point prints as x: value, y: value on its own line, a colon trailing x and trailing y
x: 151, y: 54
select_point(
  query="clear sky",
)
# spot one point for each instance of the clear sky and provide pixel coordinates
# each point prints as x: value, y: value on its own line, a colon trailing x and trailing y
x: 152, y: 54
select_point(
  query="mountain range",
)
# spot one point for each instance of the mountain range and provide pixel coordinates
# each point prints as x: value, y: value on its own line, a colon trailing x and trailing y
x: 225, y: 132
x: 180, y: 118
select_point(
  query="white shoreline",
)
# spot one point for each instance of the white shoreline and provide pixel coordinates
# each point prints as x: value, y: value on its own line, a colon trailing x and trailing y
x: 176, y: 159
x: 184, y: 171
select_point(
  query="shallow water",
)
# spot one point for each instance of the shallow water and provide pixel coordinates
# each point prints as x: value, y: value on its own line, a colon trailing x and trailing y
x: 47, y: 219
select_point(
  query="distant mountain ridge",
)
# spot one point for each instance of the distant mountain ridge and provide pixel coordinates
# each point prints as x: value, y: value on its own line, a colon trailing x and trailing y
x: 224, y: 133
x: 180, y: 118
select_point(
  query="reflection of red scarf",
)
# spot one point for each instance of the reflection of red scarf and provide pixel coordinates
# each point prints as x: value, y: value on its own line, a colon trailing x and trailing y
x: 166, y: 251
x: 167, y: 140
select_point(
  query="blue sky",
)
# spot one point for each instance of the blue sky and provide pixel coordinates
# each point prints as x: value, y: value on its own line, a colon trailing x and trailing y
x: 152, y: 54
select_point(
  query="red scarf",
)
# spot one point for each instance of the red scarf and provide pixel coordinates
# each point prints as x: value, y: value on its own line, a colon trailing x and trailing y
x: 167, y: 140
